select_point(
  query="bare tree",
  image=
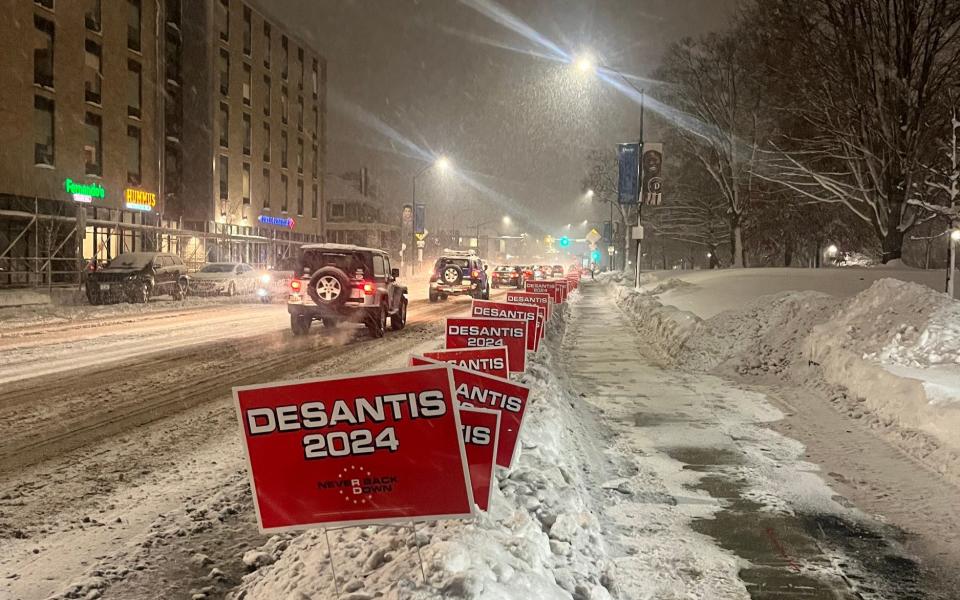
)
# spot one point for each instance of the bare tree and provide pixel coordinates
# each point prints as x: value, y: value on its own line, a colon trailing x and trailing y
x: 865, y: 75
x: 717, y: 118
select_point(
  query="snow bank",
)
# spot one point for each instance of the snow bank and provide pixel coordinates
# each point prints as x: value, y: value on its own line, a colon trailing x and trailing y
x: 895, y: 346
x: 540, y: 541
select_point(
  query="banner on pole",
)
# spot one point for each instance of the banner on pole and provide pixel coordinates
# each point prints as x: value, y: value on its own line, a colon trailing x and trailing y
x: 349, y: 450
x: 628, y: 180
x: 420, y: 220
x: 653, y: 174
x: 470, y: 332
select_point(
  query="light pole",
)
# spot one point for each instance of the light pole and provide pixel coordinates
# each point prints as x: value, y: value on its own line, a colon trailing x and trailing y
x: 952, y: 263
x: 442, y: 163
x: 585, y: 64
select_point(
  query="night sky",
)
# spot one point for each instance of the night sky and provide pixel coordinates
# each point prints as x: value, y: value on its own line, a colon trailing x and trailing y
x: 436, y: 76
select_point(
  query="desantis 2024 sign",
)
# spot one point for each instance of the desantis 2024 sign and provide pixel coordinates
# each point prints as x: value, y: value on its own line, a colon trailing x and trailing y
x: 486, y: 333
x: 350, y: 451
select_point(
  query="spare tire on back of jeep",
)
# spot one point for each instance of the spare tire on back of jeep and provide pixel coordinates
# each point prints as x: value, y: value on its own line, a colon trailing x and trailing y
x: 329, y: 286
x: 451, y: 274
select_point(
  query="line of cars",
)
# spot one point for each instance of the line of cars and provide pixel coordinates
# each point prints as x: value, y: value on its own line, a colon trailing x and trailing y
x: 138, y: 276
x: 518, y: 275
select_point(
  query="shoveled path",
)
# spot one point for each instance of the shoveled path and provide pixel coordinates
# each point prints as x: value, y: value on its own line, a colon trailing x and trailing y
x: 714, y: 503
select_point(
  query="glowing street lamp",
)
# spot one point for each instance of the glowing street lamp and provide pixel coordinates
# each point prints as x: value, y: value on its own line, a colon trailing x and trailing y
x: 832, y: 250
x: 955, y: 235
x: 507, y: 220
x: 589, y: 193
x: 585, y: 63
x: 443, y: 163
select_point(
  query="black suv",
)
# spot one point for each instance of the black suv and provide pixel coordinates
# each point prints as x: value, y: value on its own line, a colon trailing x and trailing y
x: 336, y: 282
x: 136, y: 276
x: 456, y: 274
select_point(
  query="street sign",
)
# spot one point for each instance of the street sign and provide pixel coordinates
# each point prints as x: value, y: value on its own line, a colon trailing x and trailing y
x: 469, y: 332
x: 496, y: 393
x: 422, y: 235
x: 537, y: 299
x: 492, y: 361
x: 594, y: 236
x: 480, y: 427
x: 628, y: 180
x: 505, y: 310
x: 349, y: 450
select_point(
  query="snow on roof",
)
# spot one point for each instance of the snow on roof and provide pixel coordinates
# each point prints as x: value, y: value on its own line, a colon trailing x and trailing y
x: 341, y: 247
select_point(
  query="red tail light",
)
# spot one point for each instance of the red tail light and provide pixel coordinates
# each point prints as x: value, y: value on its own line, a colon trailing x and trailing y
x: 295, y: 285
x: 474, y: 273
x: 369, y: 288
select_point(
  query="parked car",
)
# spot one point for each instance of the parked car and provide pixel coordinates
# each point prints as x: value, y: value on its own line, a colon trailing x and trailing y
x: 556, y: 271
x: 459, y: 273
x: 137, y: 277
x: 338, y: 283
x: 508, y: 276
x: 224, y: 278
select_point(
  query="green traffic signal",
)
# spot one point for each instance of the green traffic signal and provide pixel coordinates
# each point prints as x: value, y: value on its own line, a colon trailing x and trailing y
x: 564, y: 242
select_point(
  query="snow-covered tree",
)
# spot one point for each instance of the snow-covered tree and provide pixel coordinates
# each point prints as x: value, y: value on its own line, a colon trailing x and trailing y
x: 864, y: 78
x: 716, y: 116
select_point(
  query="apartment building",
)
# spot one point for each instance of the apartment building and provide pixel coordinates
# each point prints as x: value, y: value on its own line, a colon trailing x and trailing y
x: 195, y: 126
x: 356, y: 213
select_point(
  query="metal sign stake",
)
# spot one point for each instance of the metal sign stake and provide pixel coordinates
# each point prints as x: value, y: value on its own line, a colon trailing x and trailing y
x: 416, y: 544
x: 333, y: 568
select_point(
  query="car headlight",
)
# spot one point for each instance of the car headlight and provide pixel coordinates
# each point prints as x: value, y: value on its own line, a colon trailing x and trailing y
x: 265, y: 278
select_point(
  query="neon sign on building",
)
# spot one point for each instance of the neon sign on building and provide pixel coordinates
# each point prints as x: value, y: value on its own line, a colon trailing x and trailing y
x: 84, y: 192
x: 140, y: 200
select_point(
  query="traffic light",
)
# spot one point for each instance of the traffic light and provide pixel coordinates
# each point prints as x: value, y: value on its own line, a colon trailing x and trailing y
x: 564, y: 242
x: 595, y: 255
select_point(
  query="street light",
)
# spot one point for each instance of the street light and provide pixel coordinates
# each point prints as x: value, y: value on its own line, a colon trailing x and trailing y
x: 507, y: 220
x: 589, y: 193
x: 585, y: 223
x: 443, y: 164
x: 586, y: 63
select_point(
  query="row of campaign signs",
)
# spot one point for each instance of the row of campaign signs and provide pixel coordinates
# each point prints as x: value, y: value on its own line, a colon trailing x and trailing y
x: 418, y: 443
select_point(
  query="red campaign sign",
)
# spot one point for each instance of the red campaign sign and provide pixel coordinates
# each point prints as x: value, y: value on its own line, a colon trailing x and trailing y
x: 480, y: 427
x: 349, y: 450
x: 506, y: 310
x: 470, y: 332
x: 546, y: 287
x: 507, y: 397
x: 535, y: 299
x: 492, y: 361
x: 574, y: 281
x: 564, y: 286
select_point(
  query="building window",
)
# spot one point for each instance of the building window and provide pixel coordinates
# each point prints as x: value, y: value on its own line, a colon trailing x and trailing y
x: 266, y: 189
x: 92, y: 72
x: 133, y: 25
x: 315, y: 202
x: 300, y: 68
x: 285, y: 190
x: 245, y: 185
x: 224, y: 178
x: 300, y: 113
x: 134, y: 89
x: 92, y: 18
x: 285, y: 57
x: 43, y: 52
x: 44, y: 3
x: 224, y: 125
x: 173, y: 13
x: 316, y: 122
x: 316, y: 79
x: 284, y: 108
x: 247, y: 134
x: 173, y: 113
x: 283, y: 149
x: 223, y: 19
x: 43, y: 131
x: 224, y: 72
x: 266, y: 142
x: 299, y: 156
x: 92, y: 145
x: 247, y: 83
x: 299, y: 197
x: 133, y: 155
x: 316, y: 161
x: 336, y: 210
x: 247, y: 31
x: 171, y: 52
x: 266, y: 45
x: 267, y: 95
